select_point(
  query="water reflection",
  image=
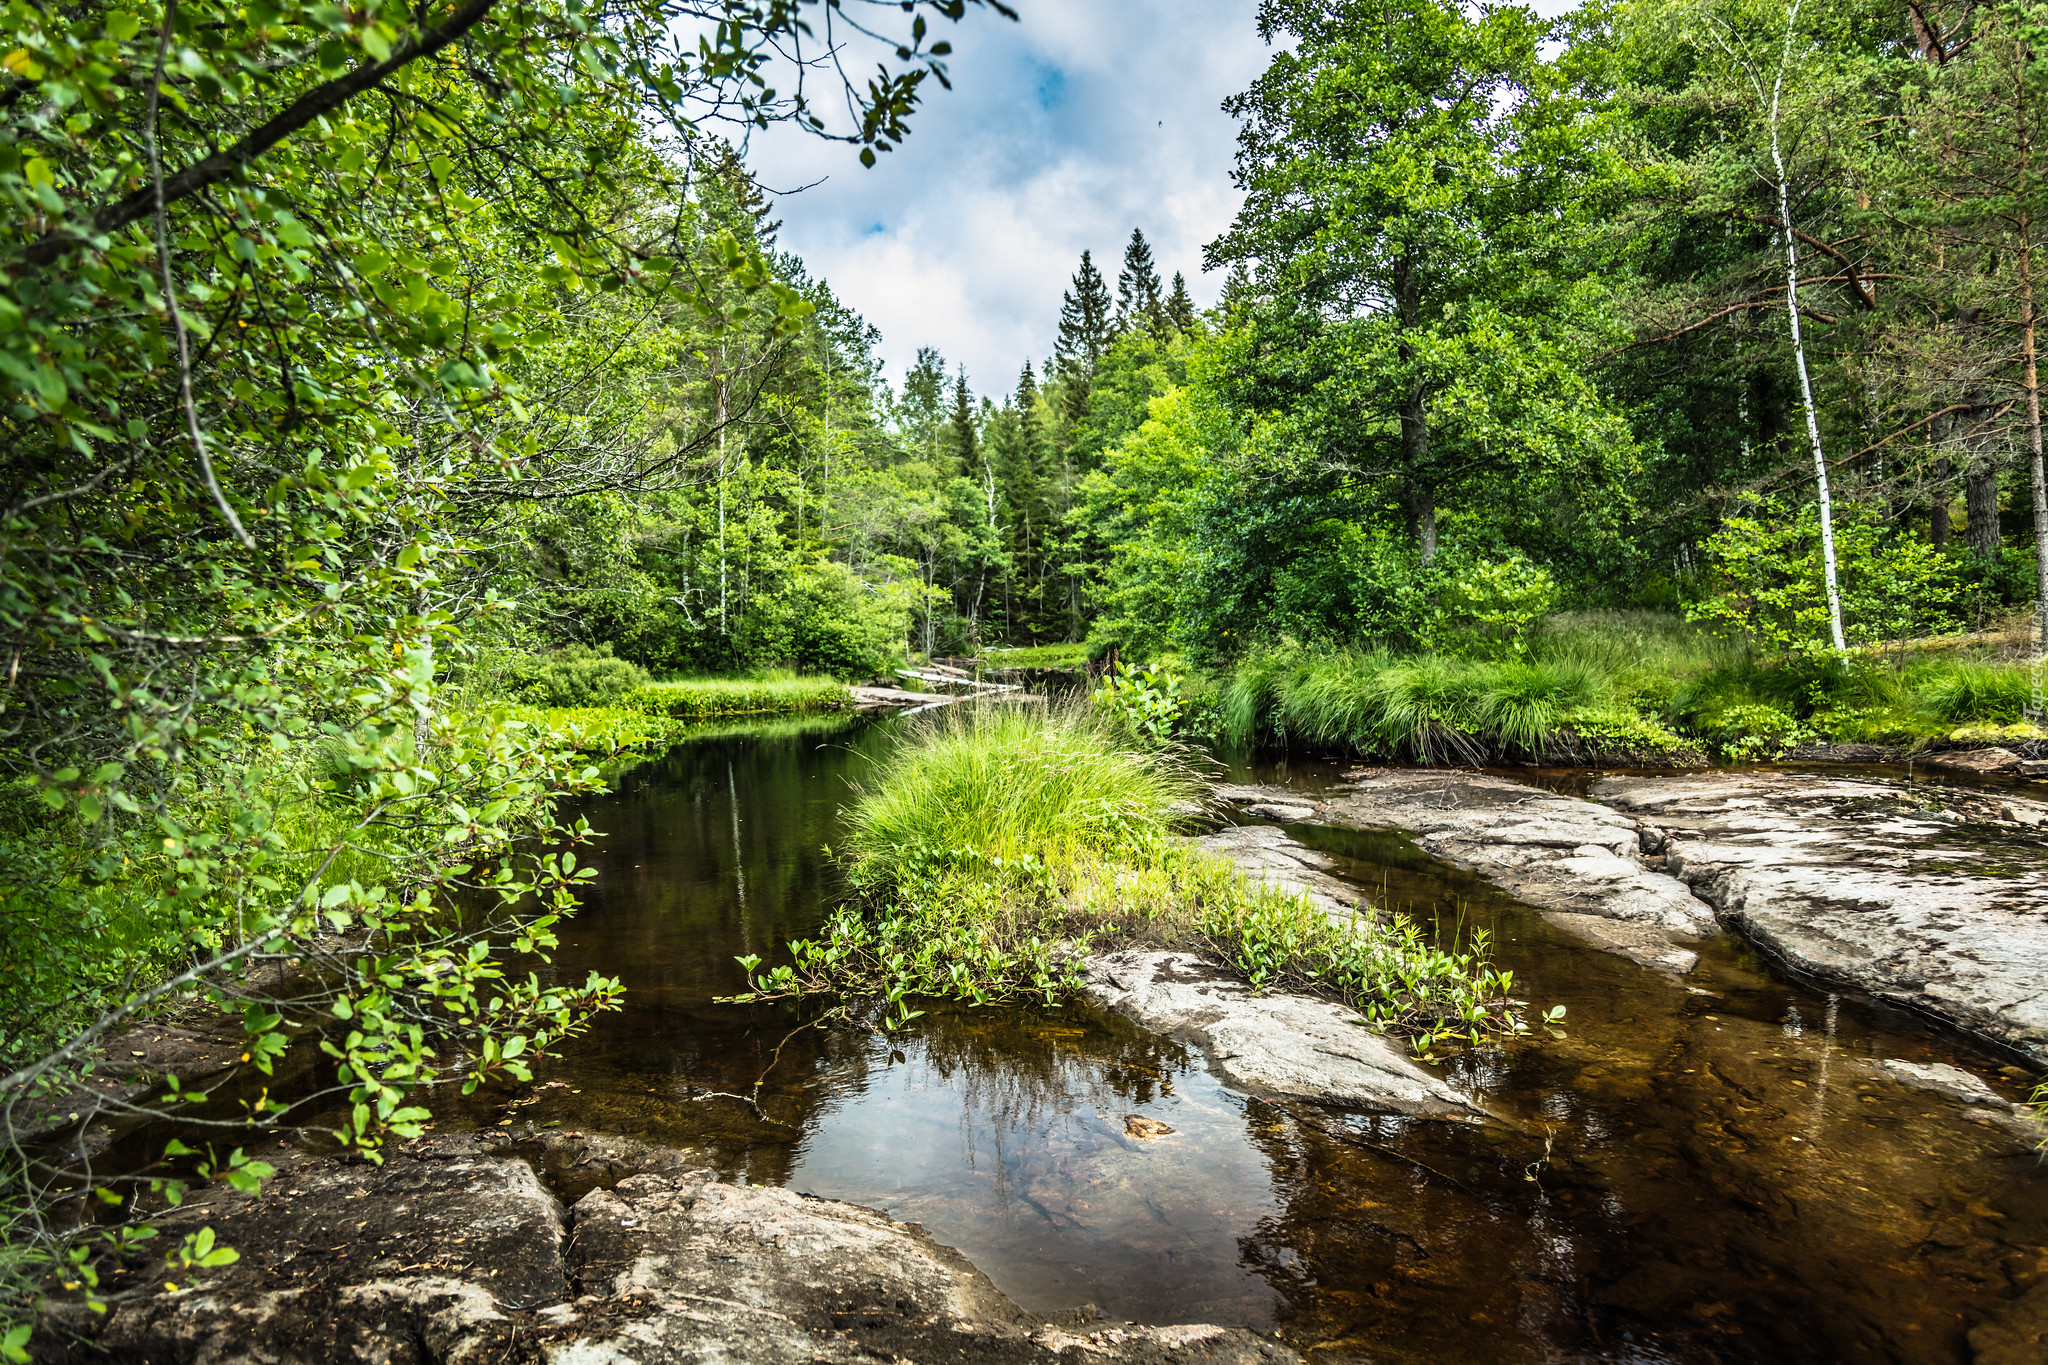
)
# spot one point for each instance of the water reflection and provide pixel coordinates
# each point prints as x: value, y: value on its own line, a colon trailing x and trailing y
x: 1713, y: 1170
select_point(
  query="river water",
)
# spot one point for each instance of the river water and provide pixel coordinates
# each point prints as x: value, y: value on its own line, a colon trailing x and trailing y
x: 1711, y: 1171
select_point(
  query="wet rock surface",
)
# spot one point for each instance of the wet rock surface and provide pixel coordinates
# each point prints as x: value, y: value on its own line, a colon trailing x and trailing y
x: 452, y: 1253
x: 1933, y: 900
x: 1275, y: 1046
x: 1577, y: 862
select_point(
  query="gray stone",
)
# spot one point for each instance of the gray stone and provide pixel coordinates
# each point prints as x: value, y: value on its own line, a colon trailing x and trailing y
x: 449, y: 1254
x: 1975, y: 761
x: 1576, y: 861
x: 1944, y: 1079
x: 1279, y: 1046
x: 1268, y: 855
x: 1925, y: 899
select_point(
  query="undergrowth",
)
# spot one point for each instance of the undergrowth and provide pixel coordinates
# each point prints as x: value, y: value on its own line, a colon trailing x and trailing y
x: 998, y: 847
x: 1623, y: 685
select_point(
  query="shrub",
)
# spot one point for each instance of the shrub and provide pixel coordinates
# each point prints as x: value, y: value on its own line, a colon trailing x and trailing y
x: 1487, y: 608
x: 1425, y: 706
x: 574, y: 675
x: 845, y: 627
x: 1010, y: 782
x: 1767, y: 582
x: 1143, y: 703
x: 1962, y: 692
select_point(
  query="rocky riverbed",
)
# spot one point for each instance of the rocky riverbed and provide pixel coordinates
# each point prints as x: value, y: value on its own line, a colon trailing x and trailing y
x: 1930, y: 898
x: 454, y: 1252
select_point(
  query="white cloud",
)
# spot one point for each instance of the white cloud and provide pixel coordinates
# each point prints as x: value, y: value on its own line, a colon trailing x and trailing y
x: 1062, y: 132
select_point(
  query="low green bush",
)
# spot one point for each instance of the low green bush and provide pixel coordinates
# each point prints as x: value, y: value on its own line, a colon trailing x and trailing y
x: 1964, y: 692
x: 574, y: 675
x: 1074, y: 656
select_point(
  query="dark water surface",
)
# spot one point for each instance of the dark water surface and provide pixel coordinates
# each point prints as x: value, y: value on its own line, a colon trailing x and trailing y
x: 1702, y: 1171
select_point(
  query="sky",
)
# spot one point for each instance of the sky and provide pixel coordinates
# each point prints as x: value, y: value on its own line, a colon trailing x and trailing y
x: 1063, y: 131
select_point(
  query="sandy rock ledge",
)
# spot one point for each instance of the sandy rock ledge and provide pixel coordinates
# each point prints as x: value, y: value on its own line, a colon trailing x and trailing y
x: 455, y: 1254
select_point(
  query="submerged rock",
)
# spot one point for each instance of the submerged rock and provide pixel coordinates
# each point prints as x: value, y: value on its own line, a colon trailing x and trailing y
x: 1975, y: 761
x: 1935, y: 901
x: 1575, y: 861
x: 1277, y: 1046
x: 452, y: 1254
x: 1943, y: 1079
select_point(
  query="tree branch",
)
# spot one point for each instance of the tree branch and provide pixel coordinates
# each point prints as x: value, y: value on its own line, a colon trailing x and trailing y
x: 211, y: 170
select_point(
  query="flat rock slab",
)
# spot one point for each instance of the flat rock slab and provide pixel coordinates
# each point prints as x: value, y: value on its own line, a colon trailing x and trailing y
x: 1265, y: 854
x: 1277, y: 1046
x: 1575, y: 861
x: 1933, y: 900
x: 454, y: 1254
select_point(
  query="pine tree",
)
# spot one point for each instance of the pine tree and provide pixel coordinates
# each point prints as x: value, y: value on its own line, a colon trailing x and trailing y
x: 1084, y: 321
x: 962, y: 421
x: 1027, y: 389
x: 1180, y: 309
x: 1137, y: 289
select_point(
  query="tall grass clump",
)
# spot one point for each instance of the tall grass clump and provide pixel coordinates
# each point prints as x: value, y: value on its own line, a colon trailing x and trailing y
x: 999, y: 846
x: 1012, y: 783
x: 1426, y: 706
x: 1962, y: 692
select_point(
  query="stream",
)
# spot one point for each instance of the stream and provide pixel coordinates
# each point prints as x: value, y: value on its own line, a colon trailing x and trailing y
x: 1711, y: 1170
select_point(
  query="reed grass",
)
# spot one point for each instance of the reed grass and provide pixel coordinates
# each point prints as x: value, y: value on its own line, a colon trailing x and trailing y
x: 1619, y: 683
x: 766, y: 693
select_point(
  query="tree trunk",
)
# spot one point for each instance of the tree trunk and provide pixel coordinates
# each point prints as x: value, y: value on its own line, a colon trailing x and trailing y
x: 1980, y: 502
x: 1418, y: 504
x: 1937, y: 516
x: 1820, y: 463
x: 2030, y: 355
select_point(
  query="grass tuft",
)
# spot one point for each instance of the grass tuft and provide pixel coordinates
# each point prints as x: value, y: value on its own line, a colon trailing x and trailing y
x: 999, y: 846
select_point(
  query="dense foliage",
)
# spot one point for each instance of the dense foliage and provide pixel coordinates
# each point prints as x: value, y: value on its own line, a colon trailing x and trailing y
x: 406, y: 408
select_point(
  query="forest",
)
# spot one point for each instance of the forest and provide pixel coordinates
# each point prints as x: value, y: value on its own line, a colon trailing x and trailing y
x: 409, y: 408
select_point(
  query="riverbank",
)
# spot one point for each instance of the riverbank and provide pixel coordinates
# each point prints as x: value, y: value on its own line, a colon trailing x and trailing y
x: 1935, y: 899
x: 450, y: 1251
x: 1679, y: 1154
x: 1631, y: 690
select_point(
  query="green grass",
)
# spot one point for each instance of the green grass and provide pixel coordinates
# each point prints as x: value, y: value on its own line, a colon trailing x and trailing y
x: 758, y: 694
x: 1006, y: 783
x: 1629, y: 685
x: 1431, y: 707
x: 1039, y: 656
x: 997, y: 847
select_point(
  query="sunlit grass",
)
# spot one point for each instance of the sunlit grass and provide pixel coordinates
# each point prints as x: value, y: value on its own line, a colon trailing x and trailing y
x: 998, y: 847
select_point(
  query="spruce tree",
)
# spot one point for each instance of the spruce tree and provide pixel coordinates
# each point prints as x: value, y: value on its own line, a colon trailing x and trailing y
x: 1027, y: 389
x: 1137, y: 289
x: 1084, y: 321
x: 962, y: 420
x: 1180, y: 309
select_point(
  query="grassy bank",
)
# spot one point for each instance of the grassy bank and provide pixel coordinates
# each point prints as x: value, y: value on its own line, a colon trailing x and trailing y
x: 1624, y: 687
x: 996, y: 847
x: 758, y: 694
